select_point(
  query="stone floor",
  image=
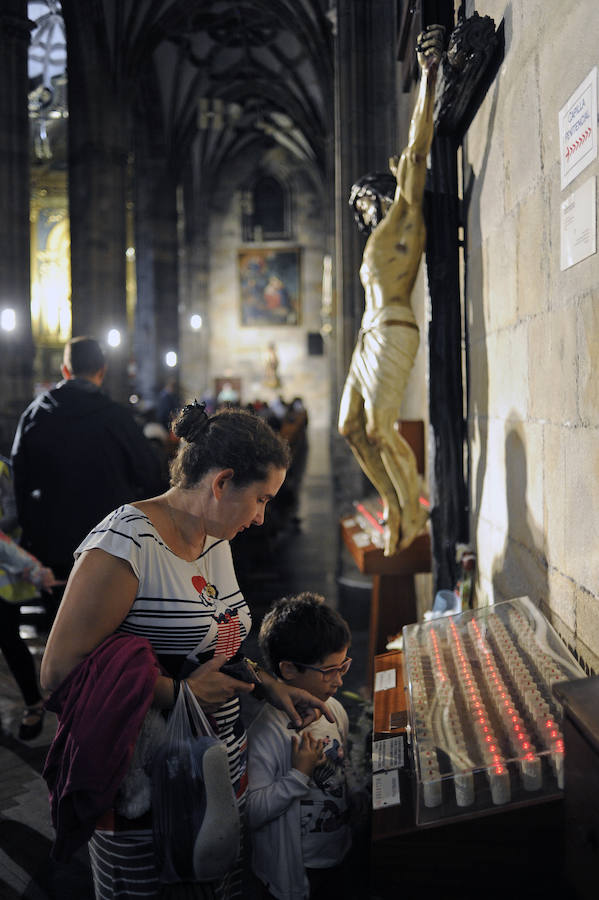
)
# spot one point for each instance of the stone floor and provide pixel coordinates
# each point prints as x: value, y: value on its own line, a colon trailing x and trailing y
x: 307, y: 557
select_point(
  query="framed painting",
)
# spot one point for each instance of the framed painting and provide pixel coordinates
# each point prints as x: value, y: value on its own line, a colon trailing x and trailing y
x: 269, y: 286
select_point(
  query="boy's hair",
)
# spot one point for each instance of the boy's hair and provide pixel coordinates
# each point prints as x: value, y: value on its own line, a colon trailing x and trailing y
x: 301, y: 629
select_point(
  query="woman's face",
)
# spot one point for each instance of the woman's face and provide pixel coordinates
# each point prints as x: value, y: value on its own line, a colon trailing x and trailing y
x: 241, y: 507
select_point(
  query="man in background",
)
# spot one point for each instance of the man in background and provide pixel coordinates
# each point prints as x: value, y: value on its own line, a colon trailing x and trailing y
x: 76, y: 456
x: 168, y: 404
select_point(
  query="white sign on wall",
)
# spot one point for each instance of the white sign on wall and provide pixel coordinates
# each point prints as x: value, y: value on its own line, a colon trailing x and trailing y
x: 579, y: 225
x: 578, y: 129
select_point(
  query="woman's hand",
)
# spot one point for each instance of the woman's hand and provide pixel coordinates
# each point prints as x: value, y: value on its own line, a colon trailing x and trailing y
x: 306, y: 753
x: 301, y: 707
x: 212, y: 687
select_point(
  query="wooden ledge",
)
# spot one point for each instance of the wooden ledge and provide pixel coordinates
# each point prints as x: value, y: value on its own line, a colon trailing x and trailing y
x: 372, y: 561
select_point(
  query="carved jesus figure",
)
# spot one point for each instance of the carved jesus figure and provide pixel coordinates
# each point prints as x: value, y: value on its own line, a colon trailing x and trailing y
x: 389, y: 208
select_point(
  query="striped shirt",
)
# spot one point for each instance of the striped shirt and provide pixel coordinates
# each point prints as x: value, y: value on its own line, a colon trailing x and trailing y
x: 183, y: 608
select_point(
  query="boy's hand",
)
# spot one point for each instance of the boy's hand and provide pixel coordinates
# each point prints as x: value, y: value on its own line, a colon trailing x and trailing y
x: 306, y: 753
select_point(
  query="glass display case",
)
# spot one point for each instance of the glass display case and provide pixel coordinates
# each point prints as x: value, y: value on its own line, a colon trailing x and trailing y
x: 486, y: 731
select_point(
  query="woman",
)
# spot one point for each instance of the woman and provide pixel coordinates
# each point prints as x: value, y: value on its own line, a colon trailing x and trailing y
x: 162, y: 569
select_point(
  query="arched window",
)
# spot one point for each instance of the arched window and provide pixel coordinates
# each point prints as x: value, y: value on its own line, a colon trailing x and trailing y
x: 266, y: 211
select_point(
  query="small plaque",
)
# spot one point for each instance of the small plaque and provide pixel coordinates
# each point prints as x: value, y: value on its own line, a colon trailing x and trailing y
x: 579, y: 224
x: 577, y: 121
x: 385, y: 680
x: 385, y: 789
x: 388, y: 754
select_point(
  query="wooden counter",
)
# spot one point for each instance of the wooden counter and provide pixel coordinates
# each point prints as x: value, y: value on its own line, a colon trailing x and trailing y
x: 392, y: 702
x: 511, y: 854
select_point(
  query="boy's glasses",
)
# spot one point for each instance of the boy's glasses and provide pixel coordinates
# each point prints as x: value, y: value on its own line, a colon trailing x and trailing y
x: 329, y: 672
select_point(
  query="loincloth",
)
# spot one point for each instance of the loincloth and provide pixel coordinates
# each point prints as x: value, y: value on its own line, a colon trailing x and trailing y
x: 384, y: 356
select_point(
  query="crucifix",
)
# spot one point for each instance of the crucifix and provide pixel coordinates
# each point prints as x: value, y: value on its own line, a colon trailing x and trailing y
x: 399, y: 211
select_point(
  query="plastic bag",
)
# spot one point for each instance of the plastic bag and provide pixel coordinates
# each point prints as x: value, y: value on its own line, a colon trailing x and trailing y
x: 195, y: 815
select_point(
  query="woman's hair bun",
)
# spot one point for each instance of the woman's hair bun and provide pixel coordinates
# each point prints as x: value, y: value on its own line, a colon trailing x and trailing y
x: 191, y: 422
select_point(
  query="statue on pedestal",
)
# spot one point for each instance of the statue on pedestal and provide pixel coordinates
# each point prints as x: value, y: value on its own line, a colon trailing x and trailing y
x: 389, y: 208
x: 271, y: 367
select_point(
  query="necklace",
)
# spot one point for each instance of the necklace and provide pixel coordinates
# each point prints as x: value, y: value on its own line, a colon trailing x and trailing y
x: 181, y: 535
x: 208, y: 593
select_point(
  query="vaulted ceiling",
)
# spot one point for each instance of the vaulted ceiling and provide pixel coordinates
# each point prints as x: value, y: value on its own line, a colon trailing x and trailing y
x: 239, y: 73
x: 221, y: 75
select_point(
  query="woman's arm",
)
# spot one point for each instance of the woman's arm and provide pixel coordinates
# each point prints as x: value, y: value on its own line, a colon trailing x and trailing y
x: 15, y: 558
x: 99, y: 594
x: 26, y: 566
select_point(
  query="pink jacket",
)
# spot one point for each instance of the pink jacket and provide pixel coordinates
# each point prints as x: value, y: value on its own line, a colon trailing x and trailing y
x: 100, y: 706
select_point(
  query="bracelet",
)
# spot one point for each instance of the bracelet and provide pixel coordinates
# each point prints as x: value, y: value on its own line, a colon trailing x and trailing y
x: 258, y: 691
x: 176, y: 687
x: 255, y: 667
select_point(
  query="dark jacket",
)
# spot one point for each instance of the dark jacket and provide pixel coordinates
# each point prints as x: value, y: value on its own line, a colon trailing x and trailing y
x: 77, y: 455
x: 100, y: 706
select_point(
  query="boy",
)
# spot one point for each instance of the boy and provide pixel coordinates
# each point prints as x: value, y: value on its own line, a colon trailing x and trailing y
x: 297, y: 799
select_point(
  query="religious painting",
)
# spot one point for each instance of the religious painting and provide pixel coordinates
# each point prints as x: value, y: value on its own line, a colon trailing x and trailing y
x: 269, y: 285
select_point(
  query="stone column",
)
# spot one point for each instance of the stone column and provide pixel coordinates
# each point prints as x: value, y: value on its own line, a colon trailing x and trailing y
x: 98, y: 163
x: 16, y: 347
x: 156, y: 255
x: 364, y: 141
x: 194, y: 274
x: 365, y: 107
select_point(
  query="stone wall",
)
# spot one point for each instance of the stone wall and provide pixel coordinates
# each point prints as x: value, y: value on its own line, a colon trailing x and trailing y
x: 534, y: 330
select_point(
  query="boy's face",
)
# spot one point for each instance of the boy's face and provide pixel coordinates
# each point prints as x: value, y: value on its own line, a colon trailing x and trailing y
x: 321, y: 685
